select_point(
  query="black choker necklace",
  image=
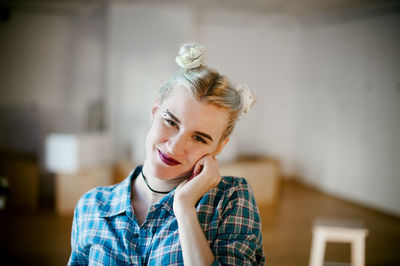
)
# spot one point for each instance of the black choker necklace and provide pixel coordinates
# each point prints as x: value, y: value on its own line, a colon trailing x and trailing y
x: 155, y: 191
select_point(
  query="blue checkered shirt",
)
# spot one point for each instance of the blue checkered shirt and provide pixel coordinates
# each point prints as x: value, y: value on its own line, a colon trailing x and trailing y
x: 106, y: 232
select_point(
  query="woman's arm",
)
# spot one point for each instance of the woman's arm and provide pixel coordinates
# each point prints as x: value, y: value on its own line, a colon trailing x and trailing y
x: 195, y: 248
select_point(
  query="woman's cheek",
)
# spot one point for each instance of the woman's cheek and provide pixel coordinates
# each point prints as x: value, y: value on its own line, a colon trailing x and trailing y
x: 197, y: 155
x: 160, y: 131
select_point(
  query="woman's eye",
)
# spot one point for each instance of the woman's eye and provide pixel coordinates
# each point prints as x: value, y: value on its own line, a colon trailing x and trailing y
x: 172, y: 123
x: 197, y: 138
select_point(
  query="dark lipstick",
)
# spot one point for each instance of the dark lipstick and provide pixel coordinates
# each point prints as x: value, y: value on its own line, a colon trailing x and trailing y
x: 167, y: 160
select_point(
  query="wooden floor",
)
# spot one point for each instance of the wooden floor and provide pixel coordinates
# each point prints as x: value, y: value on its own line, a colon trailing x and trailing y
x: 287, y: 228
x: 43, y: 238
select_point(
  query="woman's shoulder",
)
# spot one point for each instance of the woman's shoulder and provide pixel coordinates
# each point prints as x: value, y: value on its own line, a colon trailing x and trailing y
x: 104, y: 194
x: 232, y: 187
x: 97, y: 194
x: 97, y: 199
x: 234, y: 183
x: 230, y: 181
x: 230, y: 201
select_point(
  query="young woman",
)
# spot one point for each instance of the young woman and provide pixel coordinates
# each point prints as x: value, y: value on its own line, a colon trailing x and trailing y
x: 176, y: 209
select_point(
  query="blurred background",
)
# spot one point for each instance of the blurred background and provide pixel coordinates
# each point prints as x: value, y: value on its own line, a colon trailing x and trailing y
x: 78, y: 80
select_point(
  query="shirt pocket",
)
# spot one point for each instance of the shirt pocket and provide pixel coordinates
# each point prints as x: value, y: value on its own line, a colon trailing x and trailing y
x: 100, y: 255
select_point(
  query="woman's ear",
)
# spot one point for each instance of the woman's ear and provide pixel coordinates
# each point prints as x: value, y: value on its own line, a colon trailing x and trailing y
x: 154, y: 109
x: 221, y: 146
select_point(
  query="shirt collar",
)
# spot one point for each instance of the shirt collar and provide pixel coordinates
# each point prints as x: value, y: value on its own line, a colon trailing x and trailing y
x: 167, y: 202
x: 119, y: 199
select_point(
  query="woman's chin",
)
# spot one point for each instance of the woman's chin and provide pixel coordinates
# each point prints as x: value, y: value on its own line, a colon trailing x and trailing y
x: 165, y: 172
x: 185, y: 175
x: 168, y: 174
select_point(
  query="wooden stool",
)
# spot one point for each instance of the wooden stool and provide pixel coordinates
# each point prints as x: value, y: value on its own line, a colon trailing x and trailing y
x: 335, y: 230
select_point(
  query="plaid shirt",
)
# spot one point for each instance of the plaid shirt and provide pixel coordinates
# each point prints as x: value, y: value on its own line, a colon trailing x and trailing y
x: 106, y: 232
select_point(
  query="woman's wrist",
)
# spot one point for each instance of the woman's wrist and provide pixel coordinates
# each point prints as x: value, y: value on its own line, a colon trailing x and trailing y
x: 195, y: 247
x: 183, y: 206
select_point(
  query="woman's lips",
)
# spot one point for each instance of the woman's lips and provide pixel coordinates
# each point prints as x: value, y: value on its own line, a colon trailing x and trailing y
x: 167, y: 160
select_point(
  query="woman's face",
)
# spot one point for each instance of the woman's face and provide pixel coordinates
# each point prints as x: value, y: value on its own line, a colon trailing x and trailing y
x: 182, y: 132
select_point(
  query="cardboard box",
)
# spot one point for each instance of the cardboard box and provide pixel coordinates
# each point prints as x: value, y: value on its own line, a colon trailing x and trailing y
x: 79, y: 152
x: 122, y: 169
x: 70, y: 187
x: 263, y: 176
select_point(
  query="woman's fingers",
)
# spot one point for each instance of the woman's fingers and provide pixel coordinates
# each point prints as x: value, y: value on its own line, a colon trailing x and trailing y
x: 198, y: 167
x: 205, y: 177
x: 209, y: 172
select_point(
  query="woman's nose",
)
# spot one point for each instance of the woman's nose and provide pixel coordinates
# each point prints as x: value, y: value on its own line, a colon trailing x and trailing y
x: 176, y: 144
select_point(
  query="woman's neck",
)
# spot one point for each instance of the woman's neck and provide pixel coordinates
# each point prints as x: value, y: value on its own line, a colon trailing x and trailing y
x: 143, y: 192
x: 143, y: 197
x: 161, y: 185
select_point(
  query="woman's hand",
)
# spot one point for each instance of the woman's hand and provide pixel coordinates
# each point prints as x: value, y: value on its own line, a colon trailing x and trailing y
x: 205, y: 177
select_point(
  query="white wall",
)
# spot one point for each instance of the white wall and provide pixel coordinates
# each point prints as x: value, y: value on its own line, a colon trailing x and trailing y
x: 261, y: 52
x: 142, y: 42
x: 348, y: 109
x: 51, y: 71
x: 31, y: 46
x: 52, y: 63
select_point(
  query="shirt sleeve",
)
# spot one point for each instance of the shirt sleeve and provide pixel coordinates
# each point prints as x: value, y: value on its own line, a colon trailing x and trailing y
x: 77, y: 257
x: 239, y: 240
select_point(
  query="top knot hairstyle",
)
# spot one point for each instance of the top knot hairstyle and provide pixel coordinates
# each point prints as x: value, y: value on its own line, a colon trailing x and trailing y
x: 207, y: 85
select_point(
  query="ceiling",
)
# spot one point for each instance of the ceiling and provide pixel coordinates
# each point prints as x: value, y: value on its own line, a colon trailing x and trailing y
x: 302, y: 8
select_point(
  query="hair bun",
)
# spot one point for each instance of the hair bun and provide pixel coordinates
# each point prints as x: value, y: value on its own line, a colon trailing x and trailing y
x: 247, y: 96
x: 191, y: 55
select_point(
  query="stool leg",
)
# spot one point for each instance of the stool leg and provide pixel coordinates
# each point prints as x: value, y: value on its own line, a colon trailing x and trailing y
x: 358, y: 252
x: 317, y: 250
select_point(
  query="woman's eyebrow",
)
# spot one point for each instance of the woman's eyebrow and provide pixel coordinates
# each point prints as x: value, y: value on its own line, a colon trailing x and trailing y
x: 204, y: 135
x: 172, y: 116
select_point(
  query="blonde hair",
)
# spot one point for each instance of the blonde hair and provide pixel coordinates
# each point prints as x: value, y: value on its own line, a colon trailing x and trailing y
x: 209, y: 87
